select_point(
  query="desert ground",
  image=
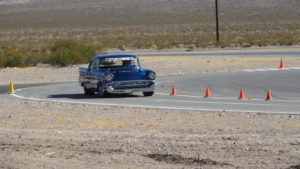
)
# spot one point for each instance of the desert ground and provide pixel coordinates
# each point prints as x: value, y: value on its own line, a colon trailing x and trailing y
x: 163, y: 65
x: 36, y: 24
x: 44, y: 135
x: 37, y: 134
x: 48, y: 135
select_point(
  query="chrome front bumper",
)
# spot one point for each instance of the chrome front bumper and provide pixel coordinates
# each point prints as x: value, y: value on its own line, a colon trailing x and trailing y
x: 131, y: 88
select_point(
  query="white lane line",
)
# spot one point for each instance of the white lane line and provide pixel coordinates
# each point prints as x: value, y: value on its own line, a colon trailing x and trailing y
x: 272, y: 69
x: 165, y: 82
x: 224, y: 98
x: 225, y: 103
x: 151, y: 107
x: 261, y: 70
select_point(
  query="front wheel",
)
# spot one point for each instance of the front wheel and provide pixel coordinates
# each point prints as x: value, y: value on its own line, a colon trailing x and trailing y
x: 102, y: 92
x: 87, y: 91
x: 148, y: 94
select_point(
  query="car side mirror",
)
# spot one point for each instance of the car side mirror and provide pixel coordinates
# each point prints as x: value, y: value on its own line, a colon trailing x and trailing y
x: 138, y: 69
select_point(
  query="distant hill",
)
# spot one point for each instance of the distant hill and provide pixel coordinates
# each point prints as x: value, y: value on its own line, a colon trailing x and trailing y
x: 148, y: 23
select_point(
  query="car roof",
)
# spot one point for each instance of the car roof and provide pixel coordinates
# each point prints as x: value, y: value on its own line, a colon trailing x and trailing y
x: 113, y: 56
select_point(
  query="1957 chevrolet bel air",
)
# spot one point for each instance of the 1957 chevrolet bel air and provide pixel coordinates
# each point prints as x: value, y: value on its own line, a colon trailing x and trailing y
x: 116, y: 74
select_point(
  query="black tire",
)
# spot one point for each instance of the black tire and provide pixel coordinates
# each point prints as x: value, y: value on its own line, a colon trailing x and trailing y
x: 102, y: 93
x: 87, y: 91
x: 147, y: 94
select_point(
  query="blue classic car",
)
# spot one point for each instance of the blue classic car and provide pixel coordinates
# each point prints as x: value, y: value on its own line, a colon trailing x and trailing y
x: 116, y: 74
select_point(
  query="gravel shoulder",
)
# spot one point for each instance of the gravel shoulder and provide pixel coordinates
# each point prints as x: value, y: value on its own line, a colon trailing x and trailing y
x: 36, y: 134
x: 48, y: 135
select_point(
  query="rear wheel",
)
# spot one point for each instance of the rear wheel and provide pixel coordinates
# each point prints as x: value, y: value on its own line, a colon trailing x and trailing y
x: 148, y: 94
x: 87, y: 91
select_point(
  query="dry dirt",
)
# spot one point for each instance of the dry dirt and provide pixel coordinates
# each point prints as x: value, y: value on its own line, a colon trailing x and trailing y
x: 163, y: 65
x: 49, y: 135
x: 57, y: 135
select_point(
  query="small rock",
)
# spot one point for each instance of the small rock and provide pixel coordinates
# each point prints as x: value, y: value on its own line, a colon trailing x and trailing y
x: 50, y: 154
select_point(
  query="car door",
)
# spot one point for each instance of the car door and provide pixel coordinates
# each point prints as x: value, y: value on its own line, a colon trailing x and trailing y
x: 92, y: 74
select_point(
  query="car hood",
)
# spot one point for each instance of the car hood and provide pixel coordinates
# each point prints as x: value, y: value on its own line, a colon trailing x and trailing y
x: 128, y: 74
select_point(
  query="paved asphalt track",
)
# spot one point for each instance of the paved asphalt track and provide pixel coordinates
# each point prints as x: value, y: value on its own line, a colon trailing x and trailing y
x: 284, y: 85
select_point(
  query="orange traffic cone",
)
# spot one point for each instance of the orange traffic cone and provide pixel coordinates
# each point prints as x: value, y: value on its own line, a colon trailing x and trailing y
x: 269, y: 95
x: 242, y: 94
x: 281, y: 66
x: 174, y: 92
x: 207, y: 93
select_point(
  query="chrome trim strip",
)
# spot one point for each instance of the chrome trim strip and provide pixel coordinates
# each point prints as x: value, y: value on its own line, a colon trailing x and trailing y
x: 110, y: 89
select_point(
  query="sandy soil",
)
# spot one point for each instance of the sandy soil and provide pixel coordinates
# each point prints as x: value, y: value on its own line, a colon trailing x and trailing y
x: 164, y: 65
x: 56, y: 135
x: 48, y: 135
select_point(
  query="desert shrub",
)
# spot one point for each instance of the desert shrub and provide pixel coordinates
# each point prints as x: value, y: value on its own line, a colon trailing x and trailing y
x: 221, y: 44
x: 67, y: 52
x: 10, y: 58
x: 86, y: 52
x: 286, y: 42
x: 2, y: 60
x: 245, y: 45
x: 121, y: 47
x: 32, y: 58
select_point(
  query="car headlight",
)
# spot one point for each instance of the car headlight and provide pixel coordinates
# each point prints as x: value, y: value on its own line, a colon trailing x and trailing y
x: 108, y: 77
x: 151, y: 75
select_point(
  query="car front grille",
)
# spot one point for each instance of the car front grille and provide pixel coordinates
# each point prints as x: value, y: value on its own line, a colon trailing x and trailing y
x: 131, y: 84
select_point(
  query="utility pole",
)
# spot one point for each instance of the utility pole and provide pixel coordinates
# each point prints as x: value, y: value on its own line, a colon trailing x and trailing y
x: 217, y: 22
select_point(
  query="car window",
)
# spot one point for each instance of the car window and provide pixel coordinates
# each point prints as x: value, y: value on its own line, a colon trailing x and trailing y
x: 118, y: 62
x: 95, y: 64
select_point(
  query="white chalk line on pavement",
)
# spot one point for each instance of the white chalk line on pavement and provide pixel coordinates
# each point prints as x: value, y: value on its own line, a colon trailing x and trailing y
x: 272, y: 69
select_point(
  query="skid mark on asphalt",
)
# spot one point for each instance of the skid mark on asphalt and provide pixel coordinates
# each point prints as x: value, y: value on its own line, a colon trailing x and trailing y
x: 137, y: 106
x: 191, y: 96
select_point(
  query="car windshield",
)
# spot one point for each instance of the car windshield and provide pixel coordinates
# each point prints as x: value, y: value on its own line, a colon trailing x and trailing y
x: 118, y: 62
